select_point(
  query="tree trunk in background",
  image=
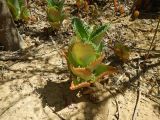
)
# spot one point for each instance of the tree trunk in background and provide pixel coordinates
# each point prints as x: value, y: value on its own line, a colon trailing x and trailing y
x: 9, y: 35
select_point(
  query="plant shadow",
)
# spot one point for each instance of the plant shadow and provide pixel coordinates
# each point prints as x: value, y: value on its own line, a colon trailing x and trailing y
x: 58, y: 95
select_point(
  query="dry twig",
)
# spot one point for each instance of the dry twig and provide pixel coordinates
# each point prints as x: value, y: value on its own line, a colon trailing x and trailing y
x: 138, y: 94
x: 137, y: 102
x: 153, y: 38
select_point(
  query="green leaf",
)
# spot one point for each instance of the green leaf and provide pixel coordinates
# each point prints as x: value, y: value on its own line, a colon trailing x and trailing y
x: 77, y: 80
x: 70, y: 58
x: 61, y: 4
x: 49, y: 3
x: 97, y: 34
x: 83, y: 73
x: 18, y: 9
x: 24, y: 14
x: 53, y: 14
x: 83, y: 54
x: 63, y: 16
x: 80, y: 29
x: 21, y: 3
x: 56, y: 3
x: 103, y: 70
x: 93, y: 65
x: 14, y: 8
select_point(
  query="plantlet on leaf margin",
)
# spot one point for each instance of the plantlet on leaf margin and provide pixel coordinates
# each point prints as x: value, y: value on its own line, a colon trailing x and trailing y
x: 19, y: 9
x: 85, y: 54
x: 55, y: 13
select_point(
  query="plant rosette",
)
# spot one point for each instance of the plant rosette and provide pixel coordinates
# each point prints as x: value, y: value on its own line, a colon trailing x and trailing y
x: 85, y: 55
x: 85, y: 64
x: 55, y: 13
x: 19, y: 9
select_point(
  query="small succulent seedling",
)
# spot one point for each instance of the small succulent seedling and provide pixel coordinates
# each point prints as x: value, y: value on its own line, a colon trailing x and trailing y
x: 82, y: 4
x: 85, y: 54
x: 55, y: 13
x: 121, y: 51
x: 19, y: 9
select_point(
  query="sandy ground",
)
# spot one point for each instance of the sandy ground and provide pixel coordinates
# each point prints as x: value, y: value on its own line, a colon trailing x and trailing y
x: 34, y: 83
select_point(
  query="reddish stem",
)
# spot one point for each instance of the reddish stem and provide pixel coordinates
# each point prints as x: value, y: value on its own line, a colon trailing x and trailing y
x: 81, y: 85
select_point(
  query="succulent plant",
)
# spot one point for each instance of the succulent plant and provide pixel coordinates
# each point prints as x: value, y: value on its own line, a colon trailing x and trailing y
x: 82, y: 4
x: 55, y: 13
x: 121, y: 51
x: 85, y: 53
x: 19, y: 9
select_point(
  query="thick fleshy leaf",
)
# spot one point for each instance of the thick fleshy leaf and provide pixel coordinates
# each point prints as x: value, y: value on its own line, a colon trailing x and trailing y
x: 103, y: 70
x: 63, y: 16
x: 70, y: 59
x: 83, y: 73
x: 56, y: 3
x: 121, y: 51
x: 100, y: 47
x: 22, y: 3
x: 24, y: 13
x: 97, y: 34
x: 55, y: 25
x: 53, y: 14
x: 74, y: 39
x: 14, y: 8
x: 18, y: 9
x: 83, y: 54
x: 95, y: 63
x: 80, y: 29
x: 49, y: 3
x: 68, y: 53
x: 61, y: 4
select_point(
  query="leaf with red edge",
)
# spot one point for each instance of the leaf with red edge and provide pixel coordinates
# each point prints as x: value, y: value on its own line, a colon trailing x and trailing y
x: 98, y: 61
x: 103, y: 70
x: 83, y: 73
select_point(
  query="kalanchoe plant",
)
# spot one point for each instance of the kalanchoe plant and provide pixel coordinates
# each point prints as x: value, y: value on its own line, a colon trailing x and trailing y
x: 82, y: 4
x: 19, y: 9
x: 121, y: 51
x: 85, y: 55
x: 55, y: 13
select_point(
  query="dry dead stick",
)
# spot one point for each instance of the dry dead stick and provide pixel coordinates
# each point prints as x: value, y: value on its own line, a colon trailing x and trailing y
x: 153, y: 39
x: 137, y: 101
x: 138, y: 92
